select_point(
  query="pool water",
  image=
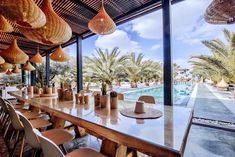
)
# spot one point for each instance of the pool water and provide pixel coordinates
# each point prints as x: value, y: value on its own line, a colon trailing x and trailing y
x: 179, y: 93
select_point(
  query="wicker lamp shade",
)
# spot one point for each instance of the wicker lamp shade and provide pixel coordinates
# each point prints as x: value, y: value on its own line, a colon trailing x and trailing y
x: 59, y: 55
x: 24, y: 13
x: 37, y: 58
x: 56, y: 30
x: 8, y: 72
x: 16, y: 70
x: 2, y: 60
x: 14, y: 54
x: 102, y: 23
x: 28, y: 67
x: 221, y: 12
x: 5, y: 26
x: 6, y: 66
x: 2, y: 70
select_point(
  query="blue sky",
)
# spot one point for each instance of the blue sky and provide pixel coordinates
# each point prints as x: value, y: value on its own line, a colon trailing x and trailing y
x: 144, y: 35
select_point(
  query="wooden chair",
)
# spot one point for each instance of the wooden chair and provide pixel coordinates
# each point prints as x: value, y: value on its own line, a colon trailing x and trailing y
x: 58, y: 136
x: 50, y: 149
x: 18, y: 127
x: 147, y: 99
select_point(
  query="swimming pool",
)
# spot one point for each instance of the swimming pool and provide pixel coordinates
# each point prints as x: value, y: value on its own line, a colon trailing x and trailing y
x: 179, y: 93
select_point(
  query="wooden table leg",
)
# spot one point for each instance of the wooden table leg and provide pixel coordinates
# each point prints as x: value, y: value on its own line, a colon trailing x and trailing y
x: 121, y: 151
x: 108, y: 148
x: 58, y: 122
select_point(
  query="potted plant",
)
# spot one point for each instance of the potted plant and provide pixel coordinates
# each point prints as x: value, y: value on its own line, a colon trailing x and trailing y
x: 113, y: 100
x: 104, y: 96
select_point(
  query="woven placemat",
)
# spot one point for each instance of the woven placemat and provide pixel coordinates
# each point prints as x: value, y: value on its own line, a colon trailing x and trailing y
x: 150, y: 113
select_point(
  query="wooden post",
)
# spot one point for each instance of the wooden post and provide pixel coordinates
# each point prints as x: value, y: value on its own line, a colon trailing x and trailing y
x: 79, y: 64
x: 33, y: 76
x: 23, y: 75
x: 167, y: 52
x: 47, y: 68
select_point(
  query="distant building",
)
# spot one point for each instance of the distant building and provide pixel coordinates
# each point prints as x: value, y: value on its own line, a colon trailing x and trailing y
x: 183, y: 75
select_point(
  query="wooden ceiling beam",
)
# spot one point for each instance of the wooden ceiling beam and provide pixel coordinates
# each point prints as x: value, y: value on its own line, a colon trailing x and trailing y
x: 85, y: 6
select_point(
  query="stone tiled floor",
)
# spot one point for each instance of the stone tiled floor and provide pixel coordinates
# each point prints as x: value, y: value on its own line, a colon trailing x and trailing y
x: 209, y: 142
x: 207, y: 105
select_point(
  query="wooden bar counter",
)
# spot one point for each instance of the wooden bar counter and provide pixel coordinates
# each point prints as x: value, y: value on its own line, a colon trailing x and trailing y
x: 162, y: 137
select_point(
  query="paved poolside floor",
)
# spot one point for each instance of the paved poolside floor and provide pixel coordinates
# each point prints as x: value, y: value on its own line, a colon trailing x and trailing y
x: 207, y: 105
x: 210, y: 142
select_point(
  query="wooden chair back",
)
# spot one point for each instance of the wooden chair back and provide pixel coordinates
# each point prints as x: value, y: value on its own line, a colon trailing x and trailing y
x: 48, y: 147
x: 147, y: 99
x: 30, y: 137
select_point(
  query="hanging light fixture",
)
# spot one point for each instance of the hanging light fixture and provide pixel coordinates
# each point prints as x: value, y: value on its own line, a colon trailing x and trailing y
x: 5, y: 66
x: 5, y: 26
x: 8, y: 72
x: 2, y: 70
x: 55, y: 31
x: 28, y: 66
x: 2, y: 60
x: 16, y: 70
x: 14, y: 54
x: 221, y: 12
x: 37, y: 58
x: 24, y: 13
x: 102, y: 23
x: 59, y: 55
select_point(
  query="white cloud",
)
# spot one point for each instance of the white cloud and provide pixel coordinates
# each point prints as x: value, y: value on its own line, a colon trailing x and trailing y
x: 149, y: 26
x: 118, y: 39
x: 188, y: 23
x: 155, y: 47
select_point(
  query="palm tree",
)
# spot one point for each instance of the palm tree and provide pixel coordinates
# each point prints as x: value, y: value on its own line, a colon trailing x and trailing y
x: 221, y: 62
x: 105, y: 65
x: 136, y: 69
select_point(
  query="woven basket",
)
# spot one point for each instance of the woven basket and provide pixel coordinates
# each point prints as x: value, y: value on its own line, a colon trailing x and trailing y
x: 24, y: 13
x: 221, y: 12
x: 28, y: 67
x: 56, y: 31
x: 59, y: 55
x: 102, y: 23
x: 14, y: 54
x: 2, y: 70
x: 37, y: 58
x: 5, y: 66
x: 2, y: 60
x: 16, y: 70
x: 5, y: 26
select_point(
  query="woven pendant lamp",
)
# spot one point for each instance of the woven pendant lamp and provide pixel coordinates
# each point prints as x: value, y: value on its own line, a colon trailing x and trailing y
x: 59, y: 55
x: 221, y: 12
x: 8, y: 72
x: 2, y: 60
x: 16, y: 70
x: 56, y: 30
x: 2, y: 70
x: 37, y: 58
x: 5, y: 26
x: 14, y: 54
x: 102, y: 23
x: 28, y: 66
x: 24, y: 13
x: 6, y: 66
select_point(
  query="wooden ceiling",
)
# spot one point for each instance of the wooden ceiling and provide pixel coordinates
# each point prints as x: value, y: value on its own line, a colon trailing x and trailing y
x: 78, y: 13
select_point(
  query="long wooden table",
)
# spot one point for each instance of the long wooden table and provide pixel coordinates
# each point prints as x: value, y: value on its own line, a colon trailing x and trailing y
x: 162, y: 137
